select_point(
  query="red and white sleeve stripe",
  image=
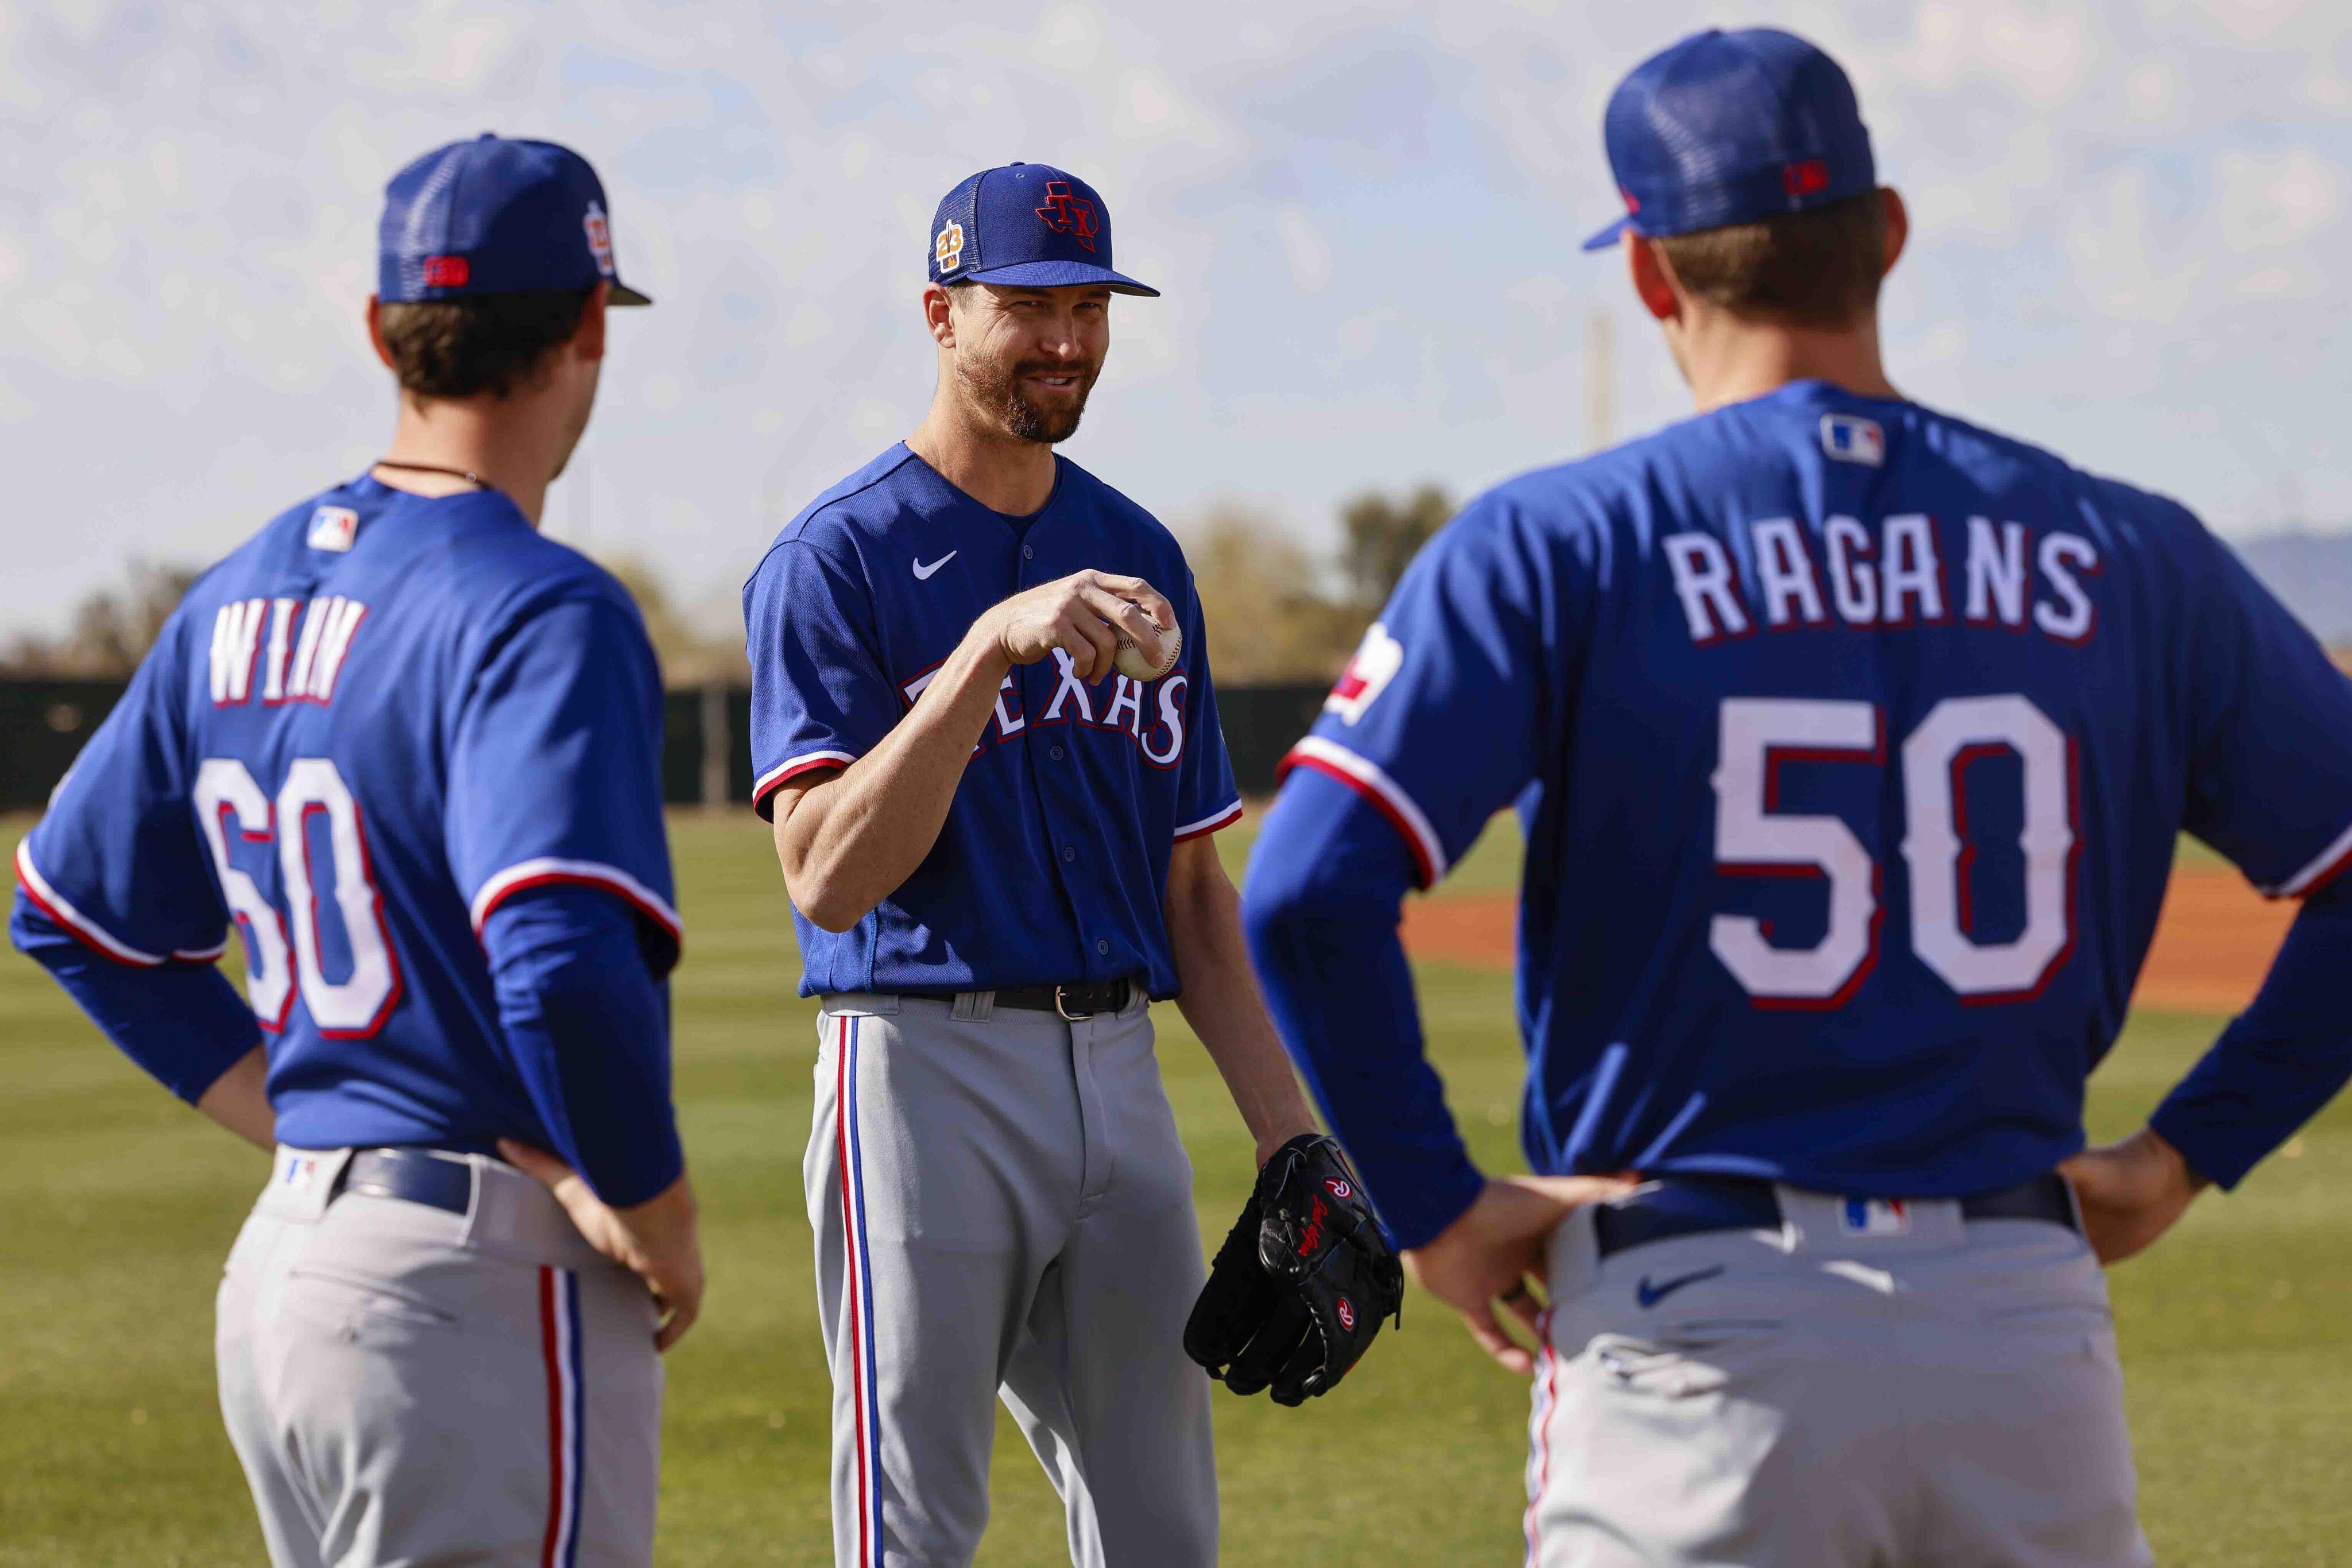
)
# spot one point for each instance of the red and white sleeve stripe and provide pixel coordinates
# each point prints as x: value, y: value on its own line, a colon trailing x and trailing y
x: 1224, y: 818
x: 2321, y: 870
x: 1386, y: 795
x: 792, y: 768
x: 548, y: 869
x: 88, y: 932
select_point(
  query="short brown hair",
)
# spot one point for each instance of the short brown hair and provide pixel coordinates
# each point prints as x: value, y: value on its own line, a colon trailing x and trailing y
x: 489, y: 343
x: 1816, y: 268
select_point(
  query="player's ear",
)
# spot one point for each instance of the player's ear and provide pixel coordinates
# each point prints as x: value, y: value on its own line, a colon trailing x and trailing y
x: 375, y: 331
x: 1654, y: 277
x: 1899, y: 227
x: 938, y: 314
x: 588, y: 342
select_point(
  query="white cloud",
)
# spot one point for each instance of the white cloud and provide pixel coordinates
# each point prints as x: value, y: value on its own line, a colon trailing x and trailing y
x: 1362, y: 285
x: 1303, y: 247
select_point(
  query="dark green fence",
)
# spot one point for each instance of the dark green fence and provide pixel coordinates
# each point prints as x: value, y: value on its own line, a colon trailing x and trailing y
x: 706, y: 753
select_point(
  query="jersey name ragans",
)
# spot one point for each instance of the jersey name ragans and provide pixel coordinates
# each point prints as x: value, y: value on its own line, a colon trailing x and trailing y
x: 1853, y: 745
x: 1892, y: 572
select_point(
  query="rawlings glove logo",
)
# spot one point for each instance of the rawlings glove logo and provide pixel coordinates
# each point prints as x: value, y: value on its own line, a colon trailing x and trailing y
x: 1302, y: 1283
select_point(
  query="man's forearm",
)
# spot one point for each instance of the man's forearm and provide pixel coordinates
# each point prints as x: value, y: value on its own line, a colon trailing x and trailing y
x: 2279, y: 1062
x: 240, y: 1100
x: 1320, y: 914
x: 1220, y: 1000
x: 848, y: 842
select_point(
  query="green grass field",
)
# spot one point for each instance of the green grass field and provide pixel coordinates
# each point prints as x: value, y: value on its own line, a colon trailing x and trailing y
x: 121, y: 1204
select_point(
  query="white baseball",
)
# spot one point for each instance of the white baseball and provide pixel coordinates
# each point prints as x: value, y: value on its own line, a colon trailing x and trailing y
x: 1136, y: 667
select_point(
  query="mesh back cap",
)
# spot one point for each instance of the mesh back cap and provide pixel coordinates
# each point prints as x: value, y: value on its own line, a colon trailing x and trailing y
x: 1729, y: 128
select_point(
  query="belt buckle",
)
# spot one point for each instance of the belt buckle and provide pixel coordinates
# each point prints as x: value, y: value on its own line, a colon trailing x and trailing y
x: 1067, y: 1015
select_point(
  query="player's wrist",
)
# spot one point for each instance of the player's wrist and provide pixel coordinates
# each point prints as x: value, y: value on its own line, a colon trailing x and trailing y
x: 984, y: 645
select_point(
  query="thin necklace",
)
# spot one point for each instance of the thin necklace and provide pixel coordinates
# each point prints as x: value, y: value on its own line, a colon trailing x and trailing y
x: 467, y: 475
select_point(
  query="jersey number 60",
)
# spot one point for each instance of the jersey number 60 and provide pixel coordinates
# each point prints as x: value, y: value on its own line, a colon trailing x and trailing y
x: 356, y: 1006
x: 1752, y: 839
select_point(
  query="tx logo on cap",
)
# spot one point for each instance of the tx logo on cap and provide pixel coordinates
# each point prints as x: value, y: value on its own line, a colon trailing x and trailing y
x: 949, y: 247
x: 600, y: 238
x: 1068, y: 214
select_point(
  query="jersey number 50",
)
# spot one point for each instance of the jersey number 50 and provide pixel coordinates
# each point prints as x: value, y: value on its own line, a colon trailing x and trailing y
x: 356, y: 1006
x: 1752, y: 839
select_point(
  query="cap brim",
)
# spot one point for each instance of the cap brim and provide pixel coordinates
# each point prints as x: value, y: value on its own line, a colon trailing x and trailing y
x: 1611, y: 235
x: 1063, y: 274
x: 622, y: 293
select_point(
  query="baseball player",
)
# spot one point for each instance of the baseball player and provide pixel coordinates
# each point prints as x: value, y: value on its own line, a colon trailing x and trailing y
x: 1852, y: 743
x: 409, y: 747
x: 983, y: 726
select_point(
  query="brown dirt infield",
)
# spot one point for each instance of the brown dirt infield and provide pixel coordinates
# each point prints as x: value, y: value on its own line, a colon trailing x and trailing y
x: 2213, y: 940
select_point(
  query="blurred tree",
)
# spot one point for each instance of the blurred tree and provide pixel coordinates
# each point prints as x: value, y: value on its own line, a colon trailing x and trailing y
x: 1267, y: 621
x: 1380, y: 537
x: 694, y: 650
x: 111, y: 631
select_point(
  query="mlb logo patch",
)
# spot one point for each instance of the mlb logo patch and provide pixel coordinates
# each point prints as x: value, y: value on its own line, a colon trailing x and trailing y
x: 949, y: 247
x: 299, y: 1169
x: 1376, y: 662
x: 1850, y: 438
x: 333, y: 528
x: 1877, y: 1216
x: 599, y: 236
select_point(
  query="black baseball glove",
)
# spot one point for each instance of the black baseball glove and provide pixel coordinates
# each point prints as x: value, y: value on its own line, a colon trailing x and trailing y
x: 1301, y: 1286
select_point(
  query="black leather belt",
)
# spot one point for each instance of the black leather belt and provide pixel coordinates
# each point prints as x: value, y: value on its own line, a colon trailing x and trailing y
x: 412, y: 1174
x: 1082, y: 999
x: 1687, y: 1206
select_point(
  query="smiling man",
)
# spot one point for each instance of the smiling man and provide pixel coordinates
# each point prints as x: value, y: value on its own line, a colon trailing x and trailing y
x: 997, y: 846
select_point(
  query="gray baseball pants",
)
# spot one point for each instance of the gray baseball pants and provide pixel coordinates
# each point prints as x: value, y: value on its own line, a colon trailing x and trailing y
x: 410, y: 1388
x: 1002, y: 1209
x: 1867, y: 1387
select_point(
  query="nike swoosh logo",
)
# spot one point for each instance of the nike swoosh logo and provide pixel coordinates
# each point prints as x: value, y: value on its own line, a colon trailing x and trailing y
x: 1650, y: 1295
x: 923, y: 573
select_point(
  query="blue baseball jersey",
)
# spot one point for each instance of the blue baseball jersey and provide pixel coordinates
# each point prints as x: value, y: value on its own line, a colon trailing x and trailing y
x: 1053, y: 863
x: 360, y: 735
x: 1851, y: 744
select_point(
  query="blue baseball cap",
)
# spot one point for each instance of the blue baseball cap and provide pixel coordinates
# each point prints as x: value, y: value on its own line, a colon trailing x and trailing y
x: 1029, y: 225
x: 495, y: 217
x: 1730, y: 128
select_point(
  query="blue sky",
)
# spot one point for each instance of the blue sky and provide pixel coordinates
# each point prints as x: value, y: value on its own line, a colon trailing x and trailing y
x: 2130, y: 221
